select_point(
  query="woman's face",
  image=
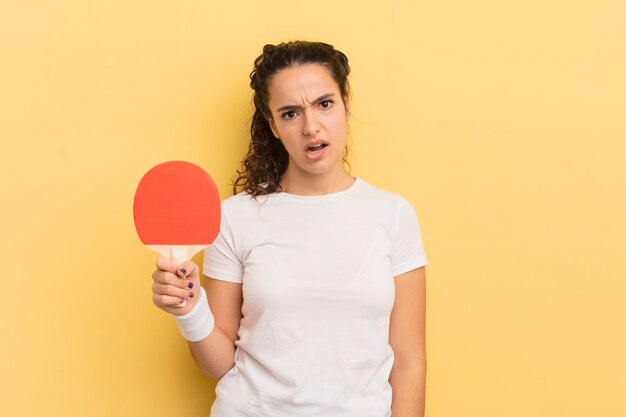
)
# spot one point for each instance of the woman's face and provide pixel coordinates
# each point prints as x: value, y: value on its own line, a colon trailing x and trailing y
x: 307, y: 111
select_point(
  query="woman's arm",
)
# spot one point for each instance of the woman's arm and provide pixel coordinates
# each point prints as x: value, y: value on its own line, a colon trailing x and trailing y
x: 215, y: 355
x: 407, y: 339
x: 220, y: 315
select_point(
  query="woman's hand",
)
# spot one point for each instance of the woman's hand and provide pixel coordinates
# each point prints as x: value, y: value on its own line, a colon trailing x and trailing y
x: 175, y: 283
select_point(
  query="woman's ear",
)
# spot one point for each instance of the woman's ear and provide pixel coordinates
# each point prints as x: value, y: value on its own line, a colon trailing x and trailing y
x: 346, y: 104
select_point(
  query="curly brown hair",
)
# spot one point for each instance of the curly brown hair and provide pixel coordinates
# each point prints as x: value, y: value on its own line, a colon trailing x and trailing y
x: 267, y: 158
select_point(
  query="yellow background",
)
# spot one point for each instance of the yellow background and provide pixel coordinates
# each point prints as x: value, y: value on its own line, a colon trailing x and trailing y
x: 502, y: 122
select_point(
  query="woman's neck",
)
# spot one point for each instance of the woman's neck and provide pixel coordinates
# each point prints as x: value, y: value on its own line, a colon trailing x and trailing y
x: 310, y: 185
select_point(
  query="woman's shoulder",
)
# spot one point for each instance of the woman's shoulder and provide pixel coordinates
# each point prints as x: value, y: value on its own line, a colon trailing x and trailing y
x: 240, y: 199
x: 376, y: 194
x: 243, y: 203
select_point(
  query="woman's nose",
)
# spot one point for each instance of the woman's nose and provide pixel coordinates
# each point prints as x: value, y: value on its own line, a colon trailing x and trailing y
x: 311, y: 124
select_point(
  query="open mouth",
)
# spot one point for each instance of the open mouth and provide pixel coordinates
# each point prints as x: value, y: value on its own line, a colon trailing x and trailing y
x: 316, y: 145
x: 313, y: 149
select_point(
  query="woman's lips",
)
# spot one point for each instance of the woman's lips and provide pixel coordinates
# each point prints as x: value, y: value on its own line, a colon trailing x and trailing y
x: 317, y: 154
x: 315, y: 143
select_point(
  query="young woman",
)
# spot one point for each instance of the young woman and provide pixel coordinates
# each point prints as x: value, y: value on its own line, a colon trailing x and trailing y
x: 316, y: 282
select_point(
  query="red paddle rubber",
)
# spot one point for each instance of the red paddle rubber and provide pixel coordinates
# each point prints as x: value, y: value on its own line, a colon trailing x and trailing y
x: 177, y: 210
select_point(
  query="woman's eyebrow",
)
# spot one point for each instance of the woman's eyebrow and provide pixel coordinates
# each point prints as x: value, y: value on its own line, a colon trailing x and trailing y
x: 296, y: 107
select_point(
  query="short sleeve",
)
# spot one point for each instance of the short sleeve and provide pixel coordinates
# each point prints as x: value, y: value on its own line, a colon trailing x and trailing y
x: 408, y: 249
x: 220, y: 258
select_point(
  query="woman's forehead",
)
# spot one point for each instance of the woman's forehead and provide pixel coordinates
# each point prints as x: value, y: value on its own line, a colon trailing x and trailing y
x: 302, y: 82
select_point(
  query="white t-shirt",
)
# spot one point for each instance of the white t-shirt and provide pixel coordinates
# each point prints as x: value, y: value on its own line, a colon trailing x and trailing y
x: 318, y: 290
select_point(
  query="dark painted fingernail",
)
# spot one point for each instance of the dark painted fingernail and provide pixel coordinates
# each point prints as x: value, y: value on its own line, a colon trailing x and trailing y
x: 190, y: 286
x: 190, y: 295
x: 182, y: 300
x: 183, y: 271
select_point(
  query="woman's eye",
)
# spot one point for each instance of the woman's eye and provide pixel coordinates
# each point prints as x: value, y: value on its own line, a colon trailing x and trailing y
x: 326, y: 104
x: 289, y: 115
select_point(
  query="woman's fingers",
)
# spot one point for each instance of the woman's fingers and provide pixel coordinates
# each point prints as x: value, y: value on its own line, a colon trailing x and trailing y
x: 175, y: 283
x: 168, y: 278
x: 167, y: 271
x: 165, y: 264
x: 186, y: 293
x: 165, y: 301
x: 189, y: 270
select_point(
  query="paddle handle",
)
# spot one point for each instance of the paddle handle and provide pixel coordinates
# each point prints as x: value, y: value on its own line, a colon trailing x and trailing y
x: 177, y: 254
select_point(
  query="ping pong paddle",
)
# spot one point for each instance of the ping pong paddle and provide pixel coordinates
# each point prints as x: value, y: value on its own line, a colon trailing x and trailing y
x: 177, y: 210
